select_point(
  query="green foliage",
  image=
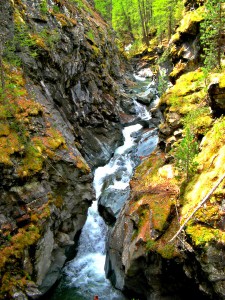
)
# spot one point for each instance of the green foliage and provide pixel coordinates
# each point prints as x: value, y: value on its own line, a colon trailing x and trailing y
x: 162, y: 82
x: 50, y: 37
x: 79, y: 3
x: 44, y: 7
x: 166, y: 14
x: 185, y: 155
x: 141, y: 19
x: 90, y: 35
x: 198, y: 120
x: 105, y: 8
x: 23, y: 41
x: 56, y: 9
x: 211, y: 33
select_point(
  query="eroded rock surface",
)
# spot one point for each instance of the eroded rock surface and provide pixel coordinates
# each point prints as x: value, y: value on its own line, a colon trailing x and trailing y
x: 62, y: 100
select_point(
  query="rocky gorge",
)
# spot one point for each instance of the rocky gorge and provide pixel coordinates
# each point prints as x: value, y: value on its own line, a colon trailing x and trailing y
x: 65, y: 97
x: 146, y: 258
x: 60, y: 91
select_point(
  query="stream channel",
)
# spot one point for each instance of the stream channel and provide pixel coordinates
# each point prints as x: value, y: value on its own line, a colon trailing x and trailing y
x: 84, y: 276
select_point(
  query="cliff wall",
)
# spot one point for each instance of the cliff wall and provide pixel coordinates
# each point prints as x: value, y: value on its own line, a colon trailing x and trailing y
x: 58, y: 119
x: 143, y: 259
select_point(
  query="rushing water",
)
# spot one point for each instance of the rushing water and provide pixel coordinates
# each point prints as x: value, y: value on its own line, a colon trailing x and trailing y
x: 84, y: 277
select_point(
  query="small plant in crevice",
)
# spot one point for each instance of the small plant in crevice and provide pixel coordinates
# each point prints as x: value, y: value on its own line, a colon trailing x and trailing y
x: 22, y: 41
x: 50, y: 37
x: 44, y: 7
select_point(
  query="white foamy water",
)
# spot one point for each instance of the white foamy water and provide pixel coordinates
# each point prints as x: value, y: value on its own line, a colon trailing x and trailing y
x: 86, y: 271
x: 139, y: 78
x: 84, y: 275
x: 141, y: 111
x: 128, y: 139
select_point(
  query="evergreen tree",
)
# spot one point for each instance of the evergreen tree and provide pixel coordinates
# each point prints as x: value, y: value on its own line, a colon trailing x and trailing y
x: 105, y: 8
x: 211, y: 33
x: 185, y: 154
x: 166, y: 14
x: 135, y: 19
x: 145, y: 13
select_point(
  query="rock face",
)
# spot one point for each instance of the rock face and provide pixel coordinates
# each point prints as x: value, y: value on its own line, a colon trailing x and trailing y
x: 137, y: 262
x: 76, y: 66
x: 62, y: 100
x: 143, y: 258
x: 185, y: 49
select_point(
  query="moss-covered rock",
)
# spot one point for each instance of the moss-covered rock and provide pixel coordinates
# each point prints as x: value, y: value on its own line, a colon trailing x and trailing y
x: 44, y: 181
x: 189, y: 23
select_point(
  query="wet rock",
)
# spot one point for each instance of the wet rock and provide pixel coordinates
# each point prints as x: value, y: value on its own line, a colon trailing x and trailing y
x: 147, y: 275
x: 32, y: 291
x: 99, y: 143
x: 43, y: 256
x: 19, y: 296
x: 145, y: 97
x: 111, y: 202
x: 147, y: 143
x: 128, y: 106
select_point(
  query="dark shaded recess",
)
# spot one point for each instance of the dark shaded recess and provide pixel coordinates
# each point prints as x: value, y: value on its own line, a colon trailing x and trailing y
x: 172, y: 283
x: 108, y: 218
x: 71, y: 251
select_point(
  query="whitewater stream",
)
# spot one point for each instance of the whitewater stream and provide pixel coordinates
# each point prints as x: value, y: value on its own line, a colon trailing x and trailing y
x: 84, y: 276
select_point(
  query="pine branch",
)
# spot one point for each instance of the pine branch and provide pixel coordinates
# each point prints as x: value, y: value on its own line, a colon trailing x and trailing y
x: 199, y: 205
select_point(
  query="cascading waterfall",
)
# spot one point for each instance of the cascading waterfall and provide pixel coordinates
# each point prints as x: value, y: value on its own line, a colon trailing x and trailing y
x: 85, y: 276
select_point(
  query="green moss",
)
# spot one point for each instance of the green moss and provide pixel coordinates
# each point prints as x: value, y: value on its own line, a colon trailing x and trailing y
x: 13, y: 277
x: 204, y: 227
x: 191, y: 18
x: 162, y: 246
x: 222, y: 81
x: 20, y: 241
x: 90, y: 35
x: 154, y: 197
x: 96, y: 50
x: 4, y: 128
x: 151, y: 245
x: 8, y: 145
x: 202, y: 235
x: 177, y: 70
x: 175, y: 38
x: 187, y: 94
x: 199, y: 120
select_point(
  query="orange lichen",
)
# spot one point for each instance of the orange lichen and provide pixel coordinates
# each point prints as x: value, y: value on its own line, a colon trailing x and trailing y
x: 24, y: 238
x: 64, y: 20
x: 8, y: 145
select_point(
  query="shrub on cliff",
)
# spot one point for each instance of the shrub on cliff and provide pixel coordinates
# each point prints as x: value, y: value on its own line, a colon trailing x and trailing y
x: 185, y: 154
